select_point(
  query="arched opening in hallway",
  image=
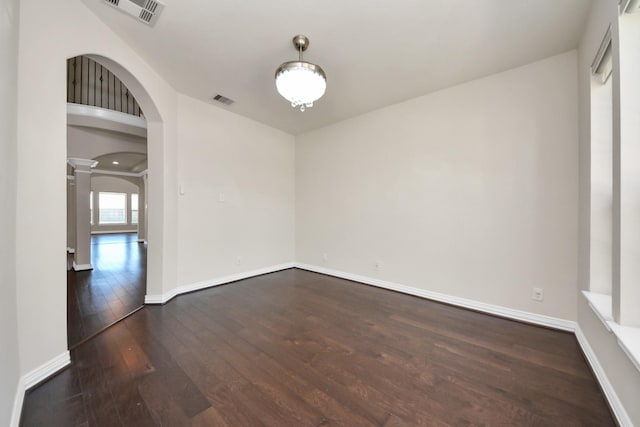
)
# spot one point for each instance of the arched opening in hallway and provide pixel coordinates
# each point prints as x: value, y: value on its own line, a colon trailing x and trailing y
x: 106, y: 198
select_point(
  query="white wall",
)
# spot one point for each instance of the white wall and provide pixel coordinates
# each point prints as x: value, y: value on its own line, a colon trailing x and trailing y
x: 622, y: 374
x: 9, y: 366
x: 71, y: 29
x: 253, y: 166
x: 262, y: 198
x: 89, y: 143
x: 470, y: 191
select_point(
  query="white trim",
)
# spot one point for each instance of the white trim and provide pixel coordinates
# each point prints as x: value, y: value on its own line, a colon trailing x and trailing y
x: 629, y: 6
x: 628, y: 337
x: 75, y: 162
x: 117, y: 173
x: 605, y: 45
x: 18, y: 400
x: 523, y: 316
x: 629, y: 340
x: 552, y: 322
x: 164, y: 298
x: 32, y: 378
x: 54, y: 365
x: 612, y: 397
x: 45, y: 370
x: 81, y: 267
x: 623, y: 5
x: 538, y: 319
x: 71, y: 250
x: 106, y: 114
x: 601, y: 305
x: 112, y: 231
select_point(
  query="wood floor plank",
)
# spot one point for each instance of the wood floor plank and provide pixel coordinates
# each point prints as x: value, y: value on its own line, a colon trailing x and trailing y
x: 240, y: 357
x: 299, y: 348
x: 114, y: 288
x: 101, y: 408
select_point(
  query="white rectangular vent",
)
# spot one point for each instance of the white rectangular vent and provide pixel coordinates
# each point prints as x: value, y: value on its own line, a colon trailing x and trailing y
x: 146, y: 11
x: 223, y: 99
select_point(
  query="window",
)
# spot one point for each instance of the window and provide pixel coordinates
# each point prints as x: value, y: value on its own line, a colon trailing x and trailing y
x: 112, y: 208
x: 600, y: 277
x: 134, y: 208
x: 626, y: 302
x: 91, y: 207
x: 614, y: 293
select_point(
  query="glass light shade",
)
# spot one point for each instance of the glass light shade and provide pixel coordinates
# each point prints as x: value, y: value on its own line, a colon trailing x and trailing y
x: 301, y: 83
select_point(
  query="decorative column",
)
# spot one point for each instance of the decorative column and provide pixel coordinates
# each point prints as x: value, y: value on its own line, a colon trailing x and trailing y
x: 71, y: 214
x: 82, y: 180
x: 142, y: 209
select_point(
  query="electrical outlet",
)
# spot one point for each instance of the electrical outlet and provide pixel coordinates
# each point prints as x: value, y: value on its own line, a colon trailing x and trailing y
x: 376, y: 266
x: 325, y: 257
x: 222, y: 197
x: 537, y: 294
x: 238, y: 260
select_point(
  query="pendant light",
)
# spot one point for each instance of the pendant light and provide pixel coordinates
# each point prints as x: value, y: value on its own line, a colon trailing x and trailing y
x: 301, y: 82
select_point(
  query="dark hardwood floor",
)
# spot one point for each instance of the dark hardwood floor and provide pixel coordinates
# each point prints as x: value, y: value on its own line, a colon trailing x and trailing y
x: 296, y: 348
x: 114, y: 288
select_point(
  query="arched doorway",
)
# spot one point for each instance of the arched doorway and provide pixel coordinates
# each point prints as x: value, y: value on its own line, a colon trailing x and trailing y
x: 106, y: 282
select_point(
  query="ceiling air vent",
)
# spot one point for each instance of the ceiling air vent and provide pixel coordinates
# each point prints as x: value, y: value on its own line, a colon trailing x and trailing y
x: 146, y: 11
x: 223, y: 99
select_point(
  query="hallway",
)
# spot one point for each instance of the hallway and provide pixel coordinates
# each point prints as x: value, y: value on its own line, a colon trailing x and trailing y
x: 114, y: 288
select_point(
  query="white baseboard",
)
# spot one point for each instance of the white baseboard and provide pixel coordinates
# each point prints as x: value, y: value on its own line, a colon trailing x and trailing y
x: 566, y: 325
x: 32, y: 378
x: 523, y: 316
x: 113, y: 231
x: 81, y: 267
x: 54, y: 365
x: 164, y: 298
x: 17, y: 404
x: 46, y: 370
x: 611, y: 395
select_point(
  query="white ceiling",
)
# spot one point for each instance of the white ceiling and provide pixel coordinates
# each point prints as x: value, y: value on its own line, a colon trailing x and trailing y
x: 375, y: 52
x: 127, y: 162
